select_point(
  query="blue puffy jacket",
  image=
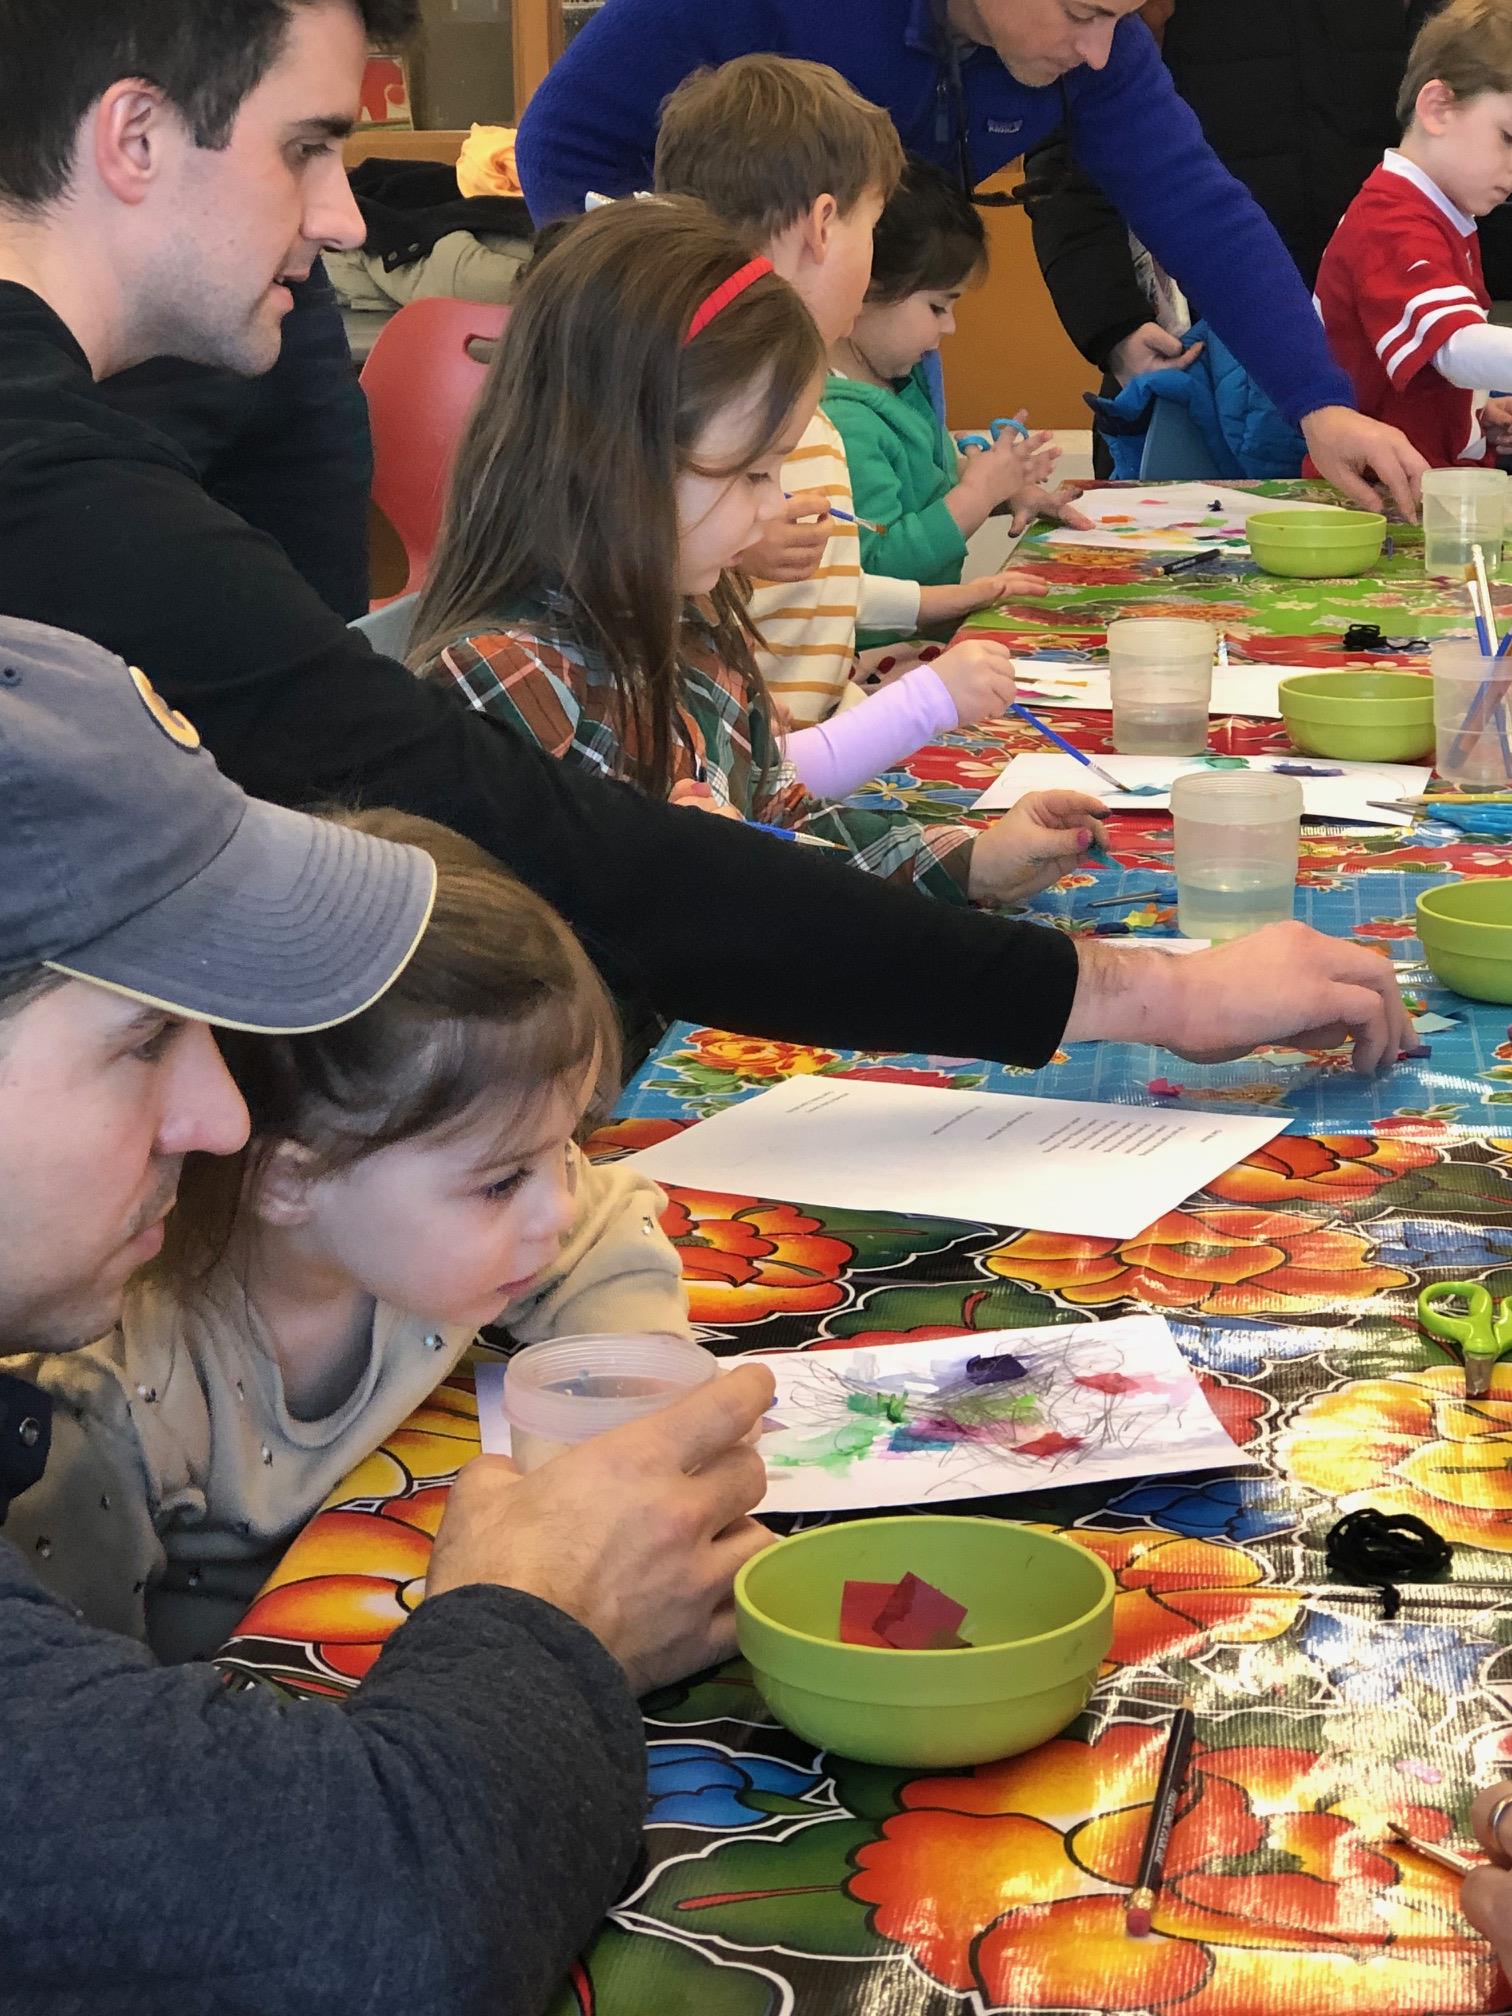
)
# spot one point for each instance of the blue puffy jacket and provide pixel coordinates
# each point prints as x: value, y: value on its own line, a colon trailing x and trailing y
x: 1244, y: 433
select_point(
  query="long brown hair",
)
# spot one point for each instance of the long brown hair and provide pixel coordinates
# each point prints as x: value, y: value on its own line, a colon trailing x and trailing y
x: 498, y: 1011
x: 593, y: 406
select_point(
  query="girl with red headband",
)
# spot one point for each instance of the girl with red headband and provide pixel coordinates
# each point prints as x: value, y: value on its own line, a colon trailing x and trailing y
x: 586, y: 588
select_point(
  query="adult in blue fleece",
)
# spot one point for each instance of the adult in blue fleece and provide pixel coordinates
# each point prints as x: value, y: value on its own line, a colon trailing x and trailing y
x: 1025, y: 68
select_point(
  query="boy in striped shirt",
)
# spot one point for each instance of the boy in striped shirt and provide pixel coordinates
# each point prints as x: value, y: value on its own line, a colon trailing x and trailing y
x: 1400, y: 289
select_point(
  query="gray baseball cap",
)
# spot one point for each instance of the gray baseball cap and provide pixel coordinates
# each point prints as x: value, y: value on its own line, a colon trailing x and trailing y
x: 127, y: 859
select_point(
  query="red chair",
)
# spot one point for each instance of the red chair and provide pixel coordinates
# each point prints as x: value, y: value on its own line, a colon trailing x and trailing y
x: 422, y: 382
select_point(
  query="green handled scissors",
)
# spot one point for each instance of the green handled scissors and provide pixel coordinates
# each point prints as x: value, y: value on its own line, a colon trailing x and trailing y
x: 1482, y: 1333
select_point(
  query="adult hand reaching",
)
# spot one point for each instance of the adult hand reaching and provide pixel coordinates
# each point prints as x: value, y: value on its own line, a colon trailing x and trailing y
x: 1347, y: 450
x: 1029, y: 848
x: 1150, y: 348
x: 638, y: 1534
x: 1286, y: 983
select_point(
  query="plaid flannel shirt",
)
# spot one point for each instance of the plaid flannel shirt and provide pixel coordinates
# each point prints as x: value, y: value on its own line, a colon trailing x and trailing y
x: 529, y: 670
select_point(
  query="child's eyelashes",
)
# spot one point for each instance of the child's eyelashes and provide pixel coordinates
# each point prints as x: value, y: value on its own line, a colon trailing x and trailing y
x: 503, y: 1186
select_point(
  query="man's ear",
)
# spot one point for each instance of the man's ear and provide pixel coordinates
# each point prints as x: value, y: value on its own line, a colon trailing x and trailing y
x: 128, y: 129
x: 279, y: 1187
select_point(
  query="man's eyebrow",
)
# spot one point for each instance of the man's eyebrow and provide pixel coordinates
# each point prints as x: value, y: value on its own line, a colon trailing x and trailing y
x: 145, y: 1017
x: 322, y: 128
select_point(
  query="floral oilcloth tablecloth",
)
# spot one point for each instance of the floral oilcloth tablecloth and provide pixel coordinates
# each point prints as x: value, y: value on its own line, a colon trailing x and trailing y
x: 779, y: 1880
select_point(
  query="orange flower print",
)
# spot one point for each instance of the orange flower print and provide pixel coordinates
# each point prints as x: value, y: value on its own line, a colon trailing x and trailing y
x: 1011, y: 1881
x: 757, y: 1056
x: 1176, y: 1595
x: 345, y: 1584
x: 357, y: 1571
x: 1413, y: 1443
x: 628, y: 1137
x: 744, y: 1260
x: 1322, y: 1168
x: 1225, y: 1262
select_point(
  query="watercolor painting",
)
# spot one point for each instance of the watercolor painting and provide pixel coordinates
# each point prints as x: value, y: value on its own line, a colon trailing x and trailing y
x: 1174, y: 518
x: 984, y: 1414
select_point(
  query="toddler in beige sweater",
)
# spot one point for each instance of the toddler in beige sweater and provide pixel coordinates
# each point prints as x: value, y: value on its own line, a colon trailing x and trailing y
x: 412, y: 1176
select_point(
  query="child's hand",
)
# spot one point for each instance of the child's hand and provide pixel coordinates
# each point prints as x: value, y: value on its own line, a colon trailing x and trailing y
x: 1496, y: 423
x: 1031, y: 847
x: 1014, y: 462
x: 790, y: 551
x: 978, y: 676
x: 944, y: 604
x: 689, y: 791
x: 1059, y: 503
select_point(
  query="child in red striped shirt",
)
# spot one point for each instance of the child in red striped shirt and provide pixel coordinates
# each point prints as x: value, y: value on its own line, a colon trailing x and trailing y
x: 1400, y: 289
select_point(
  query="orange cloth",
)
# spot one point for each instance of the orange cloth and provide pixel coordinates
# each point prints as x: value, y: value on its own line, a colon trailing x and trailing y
x: 486, y: 165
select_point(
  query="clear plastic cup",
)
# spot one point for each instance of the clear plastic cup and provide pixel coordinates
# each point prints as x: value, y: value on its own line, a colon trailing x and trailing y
x: 1237, y: 843
x: 1161, y: 674
x: 561, y: 1392
x: 1463, y: 509
x: 1472, y: 717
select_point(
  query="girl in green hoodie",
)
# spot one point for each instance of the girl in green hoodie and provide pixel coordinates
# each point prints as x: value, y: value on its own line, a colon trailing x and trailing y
x: 906, y: 471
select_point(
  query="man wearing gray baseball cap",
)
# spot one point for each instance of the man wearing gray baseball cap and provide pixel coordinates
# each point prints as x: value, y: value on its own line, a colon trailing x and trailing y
x: 448, y: 1836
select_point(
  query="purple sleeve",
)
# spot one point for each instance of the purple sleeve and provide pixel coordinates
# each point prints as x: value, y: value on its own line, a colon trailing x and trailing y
x: 836, y: 757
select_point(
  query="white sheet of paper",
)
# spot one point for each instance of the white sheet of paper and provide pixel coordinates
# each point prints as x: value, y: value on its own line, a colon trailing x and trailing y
x: 1237, y: 689
x: 1096, y: 1401
x: 1346, y: 797
x: 1050, y: 1165
x: 1172, y: 518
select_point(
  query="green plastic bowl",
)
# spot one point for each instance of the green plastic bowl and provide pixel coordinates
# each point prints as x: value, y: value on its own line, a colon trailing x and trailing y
x: 1466, y: 933
x: 1316, y: 544
x: 1364, y: 717
x: 1039, y: 1618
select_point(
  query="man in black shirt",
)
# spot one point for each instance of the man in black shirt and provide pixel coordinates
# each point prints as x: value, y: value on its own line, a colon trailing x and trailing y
x: 144, y: 217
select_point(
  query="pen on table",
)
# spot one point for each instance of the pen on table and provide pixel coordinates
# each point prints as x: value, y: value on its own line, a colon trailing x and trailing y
x: 1070, y: 748
x: 1445, y: 1858
x: 1137, y: 1918
x: 1190, y: 563
x: 847, y: 517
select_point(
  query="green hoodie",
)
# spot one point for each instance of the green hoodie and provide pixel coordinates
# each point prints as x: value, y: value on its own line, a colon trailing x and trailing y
x: 902, y: 465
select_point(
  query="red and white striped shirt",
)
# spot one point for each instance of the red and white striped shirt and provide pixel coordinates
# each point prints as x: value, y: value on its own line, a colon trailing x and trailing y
x: 1402, y: 275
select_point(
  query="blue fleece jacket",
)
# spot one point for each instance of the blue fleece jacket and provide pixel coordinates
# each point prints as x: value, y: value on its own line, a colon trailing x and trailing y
x: 592, y: 125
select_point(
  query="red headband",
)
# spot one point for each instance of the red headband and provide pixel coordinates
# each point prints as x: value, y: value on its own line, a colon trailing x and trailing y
x: 726, y: 292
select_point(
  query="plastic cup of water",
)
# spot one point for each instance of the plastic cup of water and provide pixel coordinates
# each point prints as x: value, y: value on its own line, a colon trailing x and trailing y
x: 560, y: 1393
x: 1463, y: 509
x: 1472, y: 730
x: 1237, y: 841
x: 1161, y: 675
